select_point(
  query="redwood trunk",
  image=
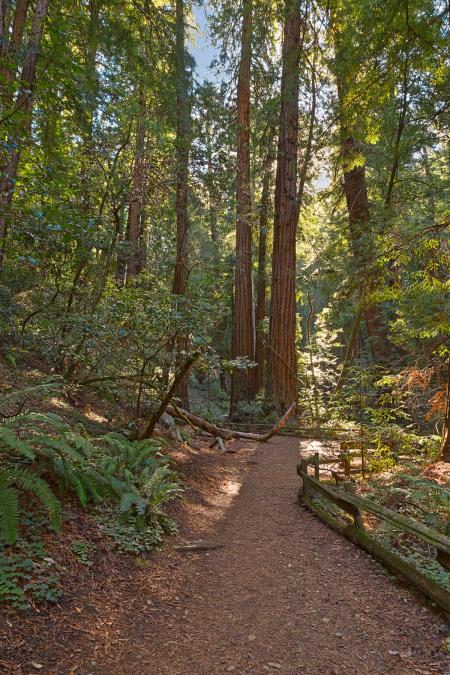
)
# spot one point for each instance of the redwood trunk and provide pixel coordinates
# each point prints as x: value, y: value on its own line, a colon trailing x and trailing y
x: 182, y: 174
x: 282, y: 372
x: 261, y: 284
x: 24, y: 103
x: 137, y: 195
x: 243, y: 338
x: 355, y: 190
x: 212, y: 196
x: 445, y: 446
x: 10, y: 46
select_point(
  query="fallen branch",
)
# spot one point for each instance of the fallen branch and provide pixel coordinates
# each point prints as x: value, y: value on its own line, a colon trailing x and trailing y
x: 149, y: 428
x: 220, y: 432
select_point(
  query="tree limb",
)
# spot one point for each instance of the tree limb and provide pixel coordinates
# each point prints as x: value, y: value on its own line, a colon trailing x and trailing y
x: 148, y: 430
x: 220, y: 432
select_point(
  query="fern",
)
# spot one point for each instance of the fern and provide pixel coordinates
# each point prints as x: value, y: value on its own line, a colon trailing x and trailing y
x: 9, y: 441
x: 13, y: 479
x: 9, y: 510
x: 50, y: 419
x: 41, y: 391
x: 30, y: 482
x: 59, y: 445
x: 130, y: 499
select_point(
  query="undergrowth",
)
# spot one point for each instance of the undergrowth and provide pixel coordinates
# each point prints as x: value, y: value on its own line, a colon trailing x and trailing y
x: 43, y: 462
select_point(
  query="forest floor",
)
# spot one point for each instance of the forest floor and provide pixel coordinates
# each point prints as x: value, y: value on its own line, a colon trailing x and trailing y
x: 284, y: 593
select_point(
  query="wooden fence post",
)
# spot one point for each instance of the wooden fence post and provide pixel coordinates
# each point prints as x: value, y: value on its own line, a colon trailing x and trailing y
x: 349, y: 487
x: 316, y: 465
x: 304, y: 469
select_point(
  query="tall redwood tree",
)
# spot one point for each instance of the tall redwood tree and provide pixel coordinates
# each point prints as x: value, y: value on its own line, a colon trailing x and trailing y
x: 183, y: 139
x: 261, y: 283
x: 23, y: 104
x: 243, y: 333
x: 282, y: 371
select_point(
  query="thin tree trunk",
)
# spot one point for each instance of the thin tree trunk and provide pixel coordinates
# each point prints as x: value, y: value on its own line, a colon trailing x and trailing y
x: 311, y: 127
x: 10, y: 46
x: 445, y: 445
x: 149, y: 428
x: 350, y: 348
x: 24, y: 104
x: 88, y: 110
x: 282, y: 372
x: 355, y: 191
x: 4, y: 12
x: 243, y: 338
x: 182, y: 170
x: 400, y: 129
x: 212, y: 198
x: 137, y: 193
x: 261, y: 284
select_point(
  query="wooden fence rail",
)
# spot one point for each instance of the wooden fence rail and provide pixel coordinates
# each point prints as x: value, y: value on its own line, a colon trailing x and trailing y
x: 352, y: 504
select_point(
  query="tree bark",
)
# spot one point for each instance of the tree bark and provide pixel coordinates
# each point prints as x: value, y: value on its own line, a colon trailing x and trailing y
x: 261, y: 283
x: 243, y: 338
x: 282, y: 372
x: 23, y: 105
x: 445, y: 445
x: 182, y: 174
x: 355, y: 190
x: 147, y: 432
x: 137, y: 193
x: 10, y: 45
x: 212, y: 197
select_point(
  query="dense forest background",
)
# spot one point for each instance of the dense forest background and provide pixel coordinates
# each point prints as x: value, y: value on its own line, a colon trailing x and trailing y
x: 287, y: 218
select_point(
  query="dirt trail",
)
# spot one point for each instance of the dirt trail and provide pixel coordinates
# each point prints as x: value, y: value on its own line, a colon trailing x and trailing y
x: 285, y: 594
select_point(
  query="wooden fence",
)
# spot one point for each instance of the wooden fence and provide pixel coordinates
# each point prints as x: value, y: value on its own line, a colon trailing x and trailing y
x: 353, y: 504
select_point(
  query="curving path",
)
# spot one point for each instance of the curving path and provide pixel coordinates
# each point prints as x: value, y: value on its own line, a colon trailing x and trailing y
x: 284, y: 595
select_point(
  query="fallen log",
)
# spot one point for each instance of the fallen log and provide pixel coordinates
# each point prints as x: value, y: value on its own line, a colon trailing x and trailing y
x: 220, y: 432
x: 147, y: 431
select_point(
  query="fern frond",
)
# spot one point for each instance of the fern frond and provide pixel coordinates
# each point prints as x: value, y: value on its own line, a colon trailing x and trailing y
x: 130, y: 499
x: 9, y: 440
x: 81, y: 443
x: 29, y: 482
x: 51, y: 419
x: 42, y: 390
x: 60, y: 445
x: 9, y: 510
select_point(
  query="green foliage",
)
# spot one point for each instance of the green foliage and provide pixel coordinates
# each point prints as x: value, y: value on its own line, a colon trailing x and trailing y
x: 27, y: 573
x: 133, y: 535
x: 40, y: 458
x: 147, y: 483
x: 30, y: 462
x: 83, y: 551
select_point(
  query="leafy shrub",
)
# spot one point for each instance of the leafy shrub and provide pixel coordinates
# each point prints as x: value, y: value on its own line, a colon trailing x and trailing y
x: 33, y: 459
x: 26, y: 572
x: 138, y: 523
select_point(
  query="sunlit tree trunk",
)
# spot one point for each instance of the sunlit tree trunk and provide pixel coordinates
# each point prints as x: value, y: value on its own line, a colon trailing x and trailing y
x: 282, y: 371
x: 243, y: 338
x: 355, y: 190
x: 261, y: 283
x: 23, y: 106
x: 182, y: 174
